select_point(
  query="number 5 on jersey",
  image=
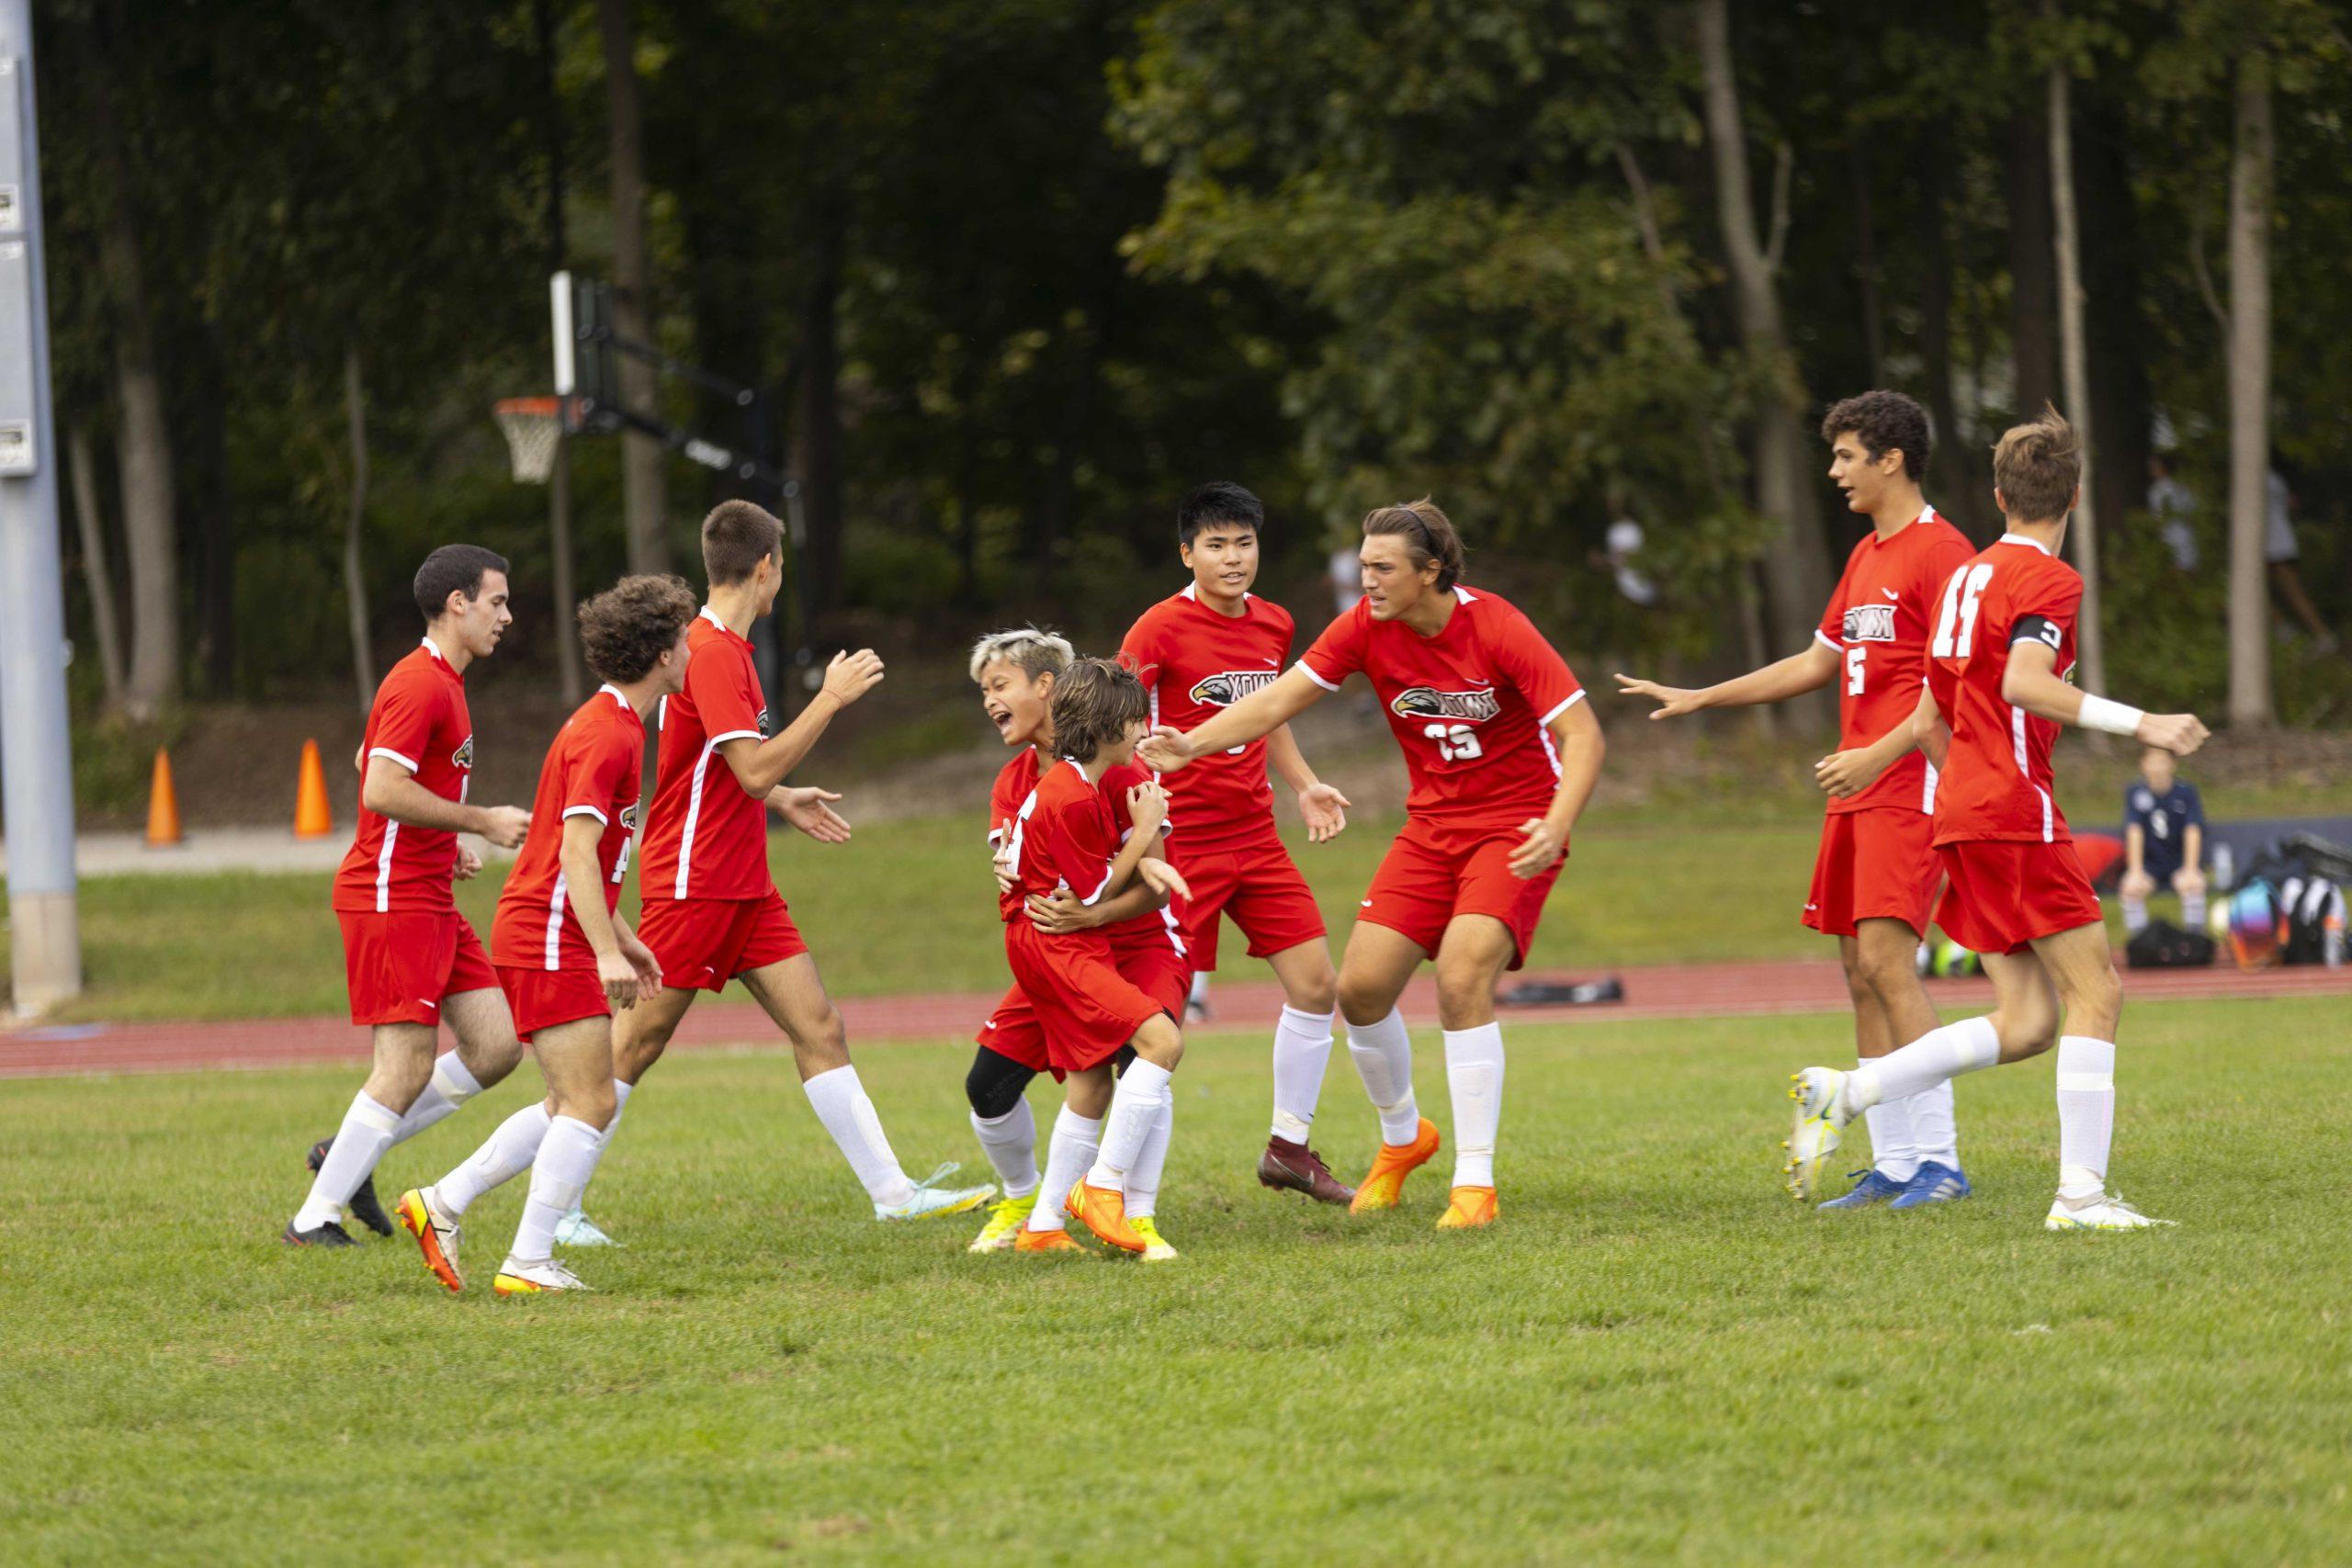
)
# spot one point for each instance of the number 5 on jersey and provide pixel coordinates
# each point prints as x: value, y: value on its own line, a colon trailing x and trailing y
x: 1956, y: 625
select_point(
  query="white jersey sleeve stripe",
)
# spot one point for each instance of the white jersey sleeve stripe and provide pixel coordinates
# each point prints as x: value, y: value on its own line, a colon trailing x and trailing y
x: 1571, y: 700
x: 392, y: 756
x: 1326, y: 685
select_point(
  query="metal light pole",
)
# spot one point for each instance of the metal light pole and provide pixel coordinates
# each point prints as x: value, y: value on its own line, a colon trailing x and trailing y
x: 36, y: 764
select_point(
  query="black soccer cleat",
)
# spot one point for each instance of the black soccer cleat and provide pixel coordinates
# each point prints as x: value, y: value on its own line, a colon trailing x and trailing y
x: 365, y: 1206
x: 328, y: 1235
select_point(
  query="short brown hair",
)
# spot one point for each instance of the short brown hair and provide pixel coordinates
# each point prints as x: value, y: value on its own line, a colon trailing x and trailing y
x: 734, y: 538
x: 1095, y: 702
x: 625, y: 630
x: 1882, y: 420
x: 2037, y: 467
x: 1427, y: 534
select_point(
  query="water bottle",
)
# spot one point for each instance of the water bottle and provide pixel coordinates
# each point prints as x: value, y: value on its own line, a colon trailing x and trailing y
x: 2224, y: 864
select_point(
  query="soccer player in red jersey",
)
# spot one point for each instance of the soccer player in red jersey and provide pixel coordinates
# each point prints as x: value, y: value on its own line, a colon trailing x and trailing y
x: 565, y: 958
x: 710, y: 910
x: 410, y: 959
x: 1999, y: 687
x: 1199, y: 652
x: 1503, y: 752
x: 1016, y: 672
x: 1877, y: 870
x: 1067, y: 838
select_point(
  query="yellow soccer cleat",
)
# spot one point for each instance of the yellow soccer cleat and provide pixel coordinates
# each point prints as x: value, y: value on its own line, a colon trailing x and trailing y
x: 1155, y: 1248
x: 1005, y: 1218
x: 1391, y: 1166
x: 1469, y: 1209
x: 437, y: 1238
x: 1104, y: 1212
x: 1027, y: 1240
x: 549, y: 1278
x: 1823, y: 1106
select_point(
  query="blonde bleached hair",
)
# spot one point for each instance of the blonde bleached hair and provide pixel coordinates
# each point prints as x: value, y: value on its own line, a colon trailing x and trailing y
x: 1032, y: 649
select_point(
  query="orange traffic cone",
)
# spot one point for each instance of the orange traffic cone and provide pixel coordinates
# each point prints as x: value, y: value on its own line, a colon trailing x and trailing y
x: 163, y: 803
x: 313, y: 816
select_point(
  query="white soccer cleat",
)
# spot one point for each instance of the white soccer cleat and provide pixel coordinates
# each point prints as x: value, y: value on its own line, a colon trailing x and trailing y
x: 2107, y: 1211
x: 930, y: 1198
x: 1825, y: 1104
x: 576, y: 1229
x: 545, y: 1278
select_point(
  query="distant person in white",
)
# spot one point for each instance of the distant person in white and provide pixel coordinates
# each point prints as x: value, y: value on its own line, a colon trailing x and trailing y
x: 1625, y: 543
x: 2173, y: 505
x: 2280, y: 550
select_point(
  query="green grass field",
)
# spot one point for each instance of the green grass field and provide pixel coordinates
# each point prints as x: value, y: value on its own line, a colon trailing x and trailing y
x: 1656, y: 1357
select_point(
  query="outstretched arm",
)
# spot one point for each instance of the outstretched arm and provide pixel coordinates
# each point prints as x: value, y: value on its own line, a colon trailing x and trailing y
x: 1324, y: 809
x: 1260, y: 713
x: 1790, y: 677
x: 390, y: 790
x: 760, y: 765
x: 2031, y: 681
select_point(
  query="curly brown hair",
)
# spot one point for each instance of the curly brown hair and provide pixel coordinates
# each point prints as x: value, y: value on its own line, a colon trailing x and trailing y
x: 625, y: 630
x: 1095, y: 701
x: 1882, y: 420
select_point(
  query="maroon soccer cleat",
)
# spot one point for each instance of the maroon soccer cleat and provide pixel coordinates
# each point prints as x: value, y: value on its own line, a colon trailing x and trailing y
x: 1293, y: 1168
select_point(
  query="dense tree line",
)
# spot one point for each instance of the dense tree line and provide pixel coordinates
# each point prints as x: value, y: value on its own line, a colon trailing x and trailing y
x: 1018, y: 271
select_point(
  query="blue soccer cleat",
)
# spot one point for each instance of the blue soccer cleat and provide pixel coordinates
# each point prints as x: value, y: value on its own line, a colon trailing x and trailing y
x: 1932, y: 1183
x: 1874, y: 1188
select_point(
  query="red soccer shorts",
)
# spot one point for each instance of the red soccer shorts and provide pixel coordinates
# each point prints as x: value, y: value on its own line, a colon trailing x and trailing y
x: 1015, y: 1033
x: 1875, y: 864
x: 1084, y: 1007
x: 1433, y: 873
x: 1258, y: 886
x: 2005, y: 893
x: 400, y: 965
x: 542, y: 998
x: 705, y: 942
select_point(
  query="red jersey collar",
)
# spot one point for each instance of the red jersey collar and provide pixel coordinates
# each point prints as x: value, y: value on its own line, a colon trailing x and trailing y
x: 442, y: 660
x: 2029, y: 543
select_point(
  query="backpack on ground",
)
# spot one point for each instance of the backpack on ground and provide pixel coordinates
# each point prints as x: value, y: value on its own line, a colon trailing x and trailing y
x: 2160, y: 944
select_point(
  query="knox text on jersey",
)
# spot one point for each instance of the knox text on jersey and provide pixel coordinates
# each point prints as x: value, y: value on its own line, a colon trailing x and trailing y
x: 1428, y: 702
x: 1229, y: 686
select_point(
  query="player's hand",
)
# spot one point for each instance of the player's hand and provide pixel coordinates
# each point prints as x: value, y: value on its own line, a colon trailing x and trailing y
x: 1162, y: 879
x: 2178, y: 733
x: 1325, y: 810
x: 2138, y: 885
x: 1147, y: 807
x: 1672, y: 701
x: 618, y: 976
x: 2189, y: 880
x: 1842, y: 773
x: 641, y: 961
x: 468, y: 866
x: 1061, y: 914
x: 851, y: 675
x: 809, y: 810
x: 1165, y: 749
x: 505, y: 825
x: 1542, y: 848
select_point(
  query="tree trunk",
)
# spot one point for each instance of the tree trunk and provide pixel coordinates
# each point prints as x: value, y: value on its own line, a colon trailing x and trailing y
x: 354, y: 581
x: 817, y: 417
x: 642, y: 455
x: 2250, y: 171
x: 2084, y: 531
x: 2033, y: 288
x: 215, y: 522
x: 1955, y: 490
x: 95, y: 565
x: 2115, y: 336
x: 560, y: 568
x: 1796, y: 568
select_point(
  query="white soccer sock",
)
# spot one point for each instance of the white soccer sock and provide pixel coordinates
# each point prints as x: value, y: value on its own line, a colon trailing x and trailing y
x: 507, y: 1153
x: 1934, y: 1134
x: 1135, y: 1106
x: 849, y: 1116
x: 1197, y: 993
x: 2192, y: 910
x: 2086, y: 1114
x: 368, y: 1130
x: 1302, y: 1050
x: 2135, y: 915
x: 450, y: 1087
x: 621, y: 1103
x: 1893, y: 1150
x: 1383, y: 1053
x: 1473, y: 1071
x: 1011, y: 1142
x: 566, y: 1161
x: 1143, y: 1176
x: 1066, y: 1157
x: 1936, y: 1056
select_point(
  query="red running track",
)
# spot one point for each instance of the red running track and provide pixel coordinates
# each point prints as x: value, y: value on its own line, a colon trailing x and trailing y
x: 1672, y: 990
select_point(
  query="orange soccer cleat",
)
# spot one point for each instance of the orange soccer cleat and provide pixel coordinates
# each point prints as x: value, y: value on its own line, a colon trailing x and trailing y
x: 1468, y: 1208
x: 1104, y: 1211
x: 1043, y: 1241
x: 1395, y: 1162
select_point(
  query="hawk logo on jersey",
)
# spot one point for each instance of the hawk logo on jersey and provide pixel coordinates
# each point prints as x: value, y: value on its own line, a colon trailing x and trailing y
x: 1428, y: 702
x: 1870, y: 623
x: 630, y: 816
x: 1224, y: 690
x: 464, y: 755
x: 762, y: 722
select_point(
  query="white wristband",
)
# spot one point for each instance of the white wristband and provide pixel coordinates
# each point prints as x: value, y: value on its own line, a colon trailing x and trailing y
x: 2116, y: 718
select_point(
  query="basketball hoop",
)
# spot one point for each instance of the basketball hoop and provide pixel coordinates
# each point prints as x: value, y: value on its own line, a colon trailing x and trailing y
x: 533, y: 428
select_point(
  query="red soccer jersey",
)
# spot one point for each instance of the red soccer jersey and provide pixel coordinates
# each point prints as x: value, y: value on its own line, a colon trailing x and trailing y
x: 705, y: 837
x: 1015, y: 784
x: 590, y: 771
x: 1996, y: 781
x: 419, y: 720
x: 1879, y: 619
x: 1196, y: 664
x: 1468, y: 706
